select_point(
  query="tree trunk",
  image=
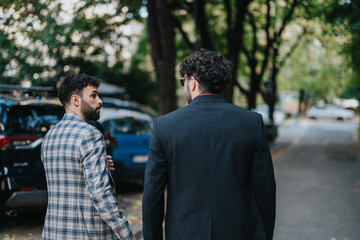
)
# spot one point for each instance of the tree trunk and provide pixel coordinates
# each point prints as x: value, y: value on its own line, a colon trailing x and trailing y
x: 251, y: 100
x: 235, y: 42
x: 202, y: 26
x: 162, y: 41
x: 273, y: 96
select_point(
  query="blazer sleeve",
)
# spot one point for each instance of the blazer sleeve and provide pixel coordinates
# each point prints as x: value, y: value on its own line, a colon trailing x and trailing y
x: 156, y: 174
x: 263, y: 181
x: 96, y: 175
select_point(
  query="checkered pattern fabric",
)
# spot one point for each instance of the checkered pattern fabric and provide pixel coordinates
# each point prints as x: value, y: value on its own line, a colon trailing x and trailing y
x: 81, y: 202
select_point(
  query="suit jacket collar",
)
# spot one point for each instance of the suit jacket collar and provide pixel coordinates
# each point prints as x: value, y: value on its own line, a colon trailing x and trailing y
x: 207, y: 98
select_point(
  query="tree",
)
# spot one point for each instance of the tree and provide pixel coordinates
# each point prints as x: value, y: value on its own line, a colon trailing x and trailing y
x: 162, y: 41
x: 215, y: 22
x: 316, y: 65
x: 269, y: 19
x: 347, y: 13
x: 42, y: 41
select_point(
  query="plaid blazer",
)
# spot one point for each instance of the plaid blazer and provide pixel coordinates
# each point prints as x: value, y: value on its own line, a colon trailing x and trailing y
x: 81, y: 202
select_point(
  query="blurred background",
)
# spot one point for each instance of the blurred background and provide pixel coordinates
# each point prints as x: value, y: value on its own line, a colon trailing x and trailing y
x: 295, y: 62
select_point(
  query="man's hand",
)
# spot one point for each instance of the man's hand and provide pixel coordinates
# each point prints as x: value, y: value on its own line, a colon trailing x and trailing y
x: 110, y: 163
x: 133, y: 238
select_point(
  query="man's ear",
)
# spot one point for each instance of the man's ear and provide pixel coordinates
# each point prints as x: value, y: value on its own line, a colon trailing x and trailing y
x: 75, y: 99
x: 193, y: 84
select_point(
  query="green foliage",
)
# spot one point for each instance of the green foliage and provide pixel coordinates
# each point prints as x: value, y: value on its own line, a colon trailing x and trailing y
x: 347, y: 13
x: 317, y: 65
x: 41, y: 41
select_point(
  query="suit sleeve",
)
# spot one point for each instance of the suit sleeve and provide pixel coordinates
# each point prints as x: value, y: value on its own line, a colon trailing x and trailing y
x: 263, y: 181
x: 156, y: 174
x: 96, y: 174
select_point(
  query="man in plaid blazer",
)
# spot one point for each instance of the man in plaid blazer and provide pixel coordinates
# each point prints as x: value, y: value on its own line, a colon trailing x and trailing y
x: 81, y: 202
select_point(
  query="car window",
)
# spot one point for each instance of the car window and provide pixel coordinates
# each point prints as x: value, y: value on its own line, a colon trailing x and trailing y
x: 128, y: 126
x: 32, y: 119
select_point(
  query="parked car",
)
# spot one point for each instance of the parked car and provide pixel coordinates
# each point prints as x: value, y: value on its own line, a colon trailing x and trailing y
x: 271, y: 128
x: 330, y: 112
x: 132, y: 131
x: 22, y: 128
x: 116, y: 103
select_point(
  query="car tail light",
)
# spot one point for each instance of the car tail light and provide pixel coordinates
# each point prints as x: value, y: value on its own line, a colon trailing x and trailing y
x: 110, y: 141
x: 5, y: 142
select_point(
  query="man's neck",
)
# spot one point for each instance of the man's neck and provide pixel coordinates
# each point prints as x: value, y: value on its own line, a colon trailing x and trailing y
x: 207, y: 93
x: 69, y: 110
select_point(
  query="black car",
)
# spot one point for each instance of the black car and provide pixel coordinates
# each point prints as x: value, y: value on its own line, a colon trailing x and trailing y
x: 22, y: 175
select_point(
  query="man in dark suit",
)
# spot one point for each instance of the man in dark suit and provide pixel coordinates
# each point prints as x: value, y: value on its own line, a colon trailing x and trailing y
x: 214, y: 160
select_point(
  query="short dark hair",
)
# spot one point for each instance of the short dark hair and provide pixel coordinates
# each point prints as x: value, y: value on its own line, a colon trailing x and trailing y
x: 74, y: 84
x: 212, y: 71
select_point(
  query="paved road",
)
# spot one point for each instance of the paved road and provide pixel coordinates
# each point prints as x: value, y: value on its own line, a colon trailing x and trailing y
x: 317, y: 168
x: 318, y: 181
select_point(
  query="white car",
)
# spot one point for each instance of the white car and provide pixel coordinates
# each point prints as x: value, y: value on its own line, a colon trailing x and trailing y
x: 330, y: 112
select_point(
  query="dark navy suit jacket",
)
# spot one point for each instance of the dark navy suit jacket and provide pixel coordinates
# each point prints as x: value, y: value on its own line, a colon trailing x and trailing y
x: 214, y: 160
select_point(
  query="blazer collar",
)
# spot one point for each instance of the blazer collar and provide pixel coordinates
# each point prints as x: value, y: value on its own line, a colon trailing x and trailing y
x: 72, y: 116
x: 207, y: 98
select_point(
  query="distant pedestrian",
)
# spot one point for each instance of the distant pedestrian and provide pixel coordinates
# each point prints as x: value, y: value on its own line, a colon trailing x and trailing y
x: 214, y: 160
x: 81, y: 202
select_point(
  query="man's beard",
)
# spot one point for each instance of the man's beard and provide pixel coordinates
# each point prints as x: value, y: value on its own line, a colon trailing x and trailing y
x: 89, y: 113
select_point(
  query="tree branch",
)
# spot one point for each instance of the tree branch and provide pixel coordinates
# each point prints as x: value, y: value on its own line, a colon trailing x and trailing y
x: 292, y: 49
x: 247, y: 54
x: 241, y: 88
x: 202, y: 24
x: 268, y: 39
x: 254, y: 41
x: 286, y: 19
x: 183, y: 33
x: 228, y: 20
x: 264, y: 97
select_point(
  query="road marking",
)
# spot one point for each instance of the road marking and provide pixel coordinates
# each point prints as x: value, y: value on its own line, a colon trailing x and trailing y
x: 282, y: 149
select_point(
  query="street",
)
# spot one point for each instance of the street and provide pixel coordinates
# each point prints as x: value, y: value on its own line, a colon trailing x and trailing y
x: 318, y: 182
x: 317, y: 170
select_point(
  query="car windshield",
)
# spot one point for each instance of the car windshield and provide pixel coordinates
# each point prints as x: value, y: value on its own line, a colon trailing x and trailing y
x: 128, y: 126
x: 32, y: 119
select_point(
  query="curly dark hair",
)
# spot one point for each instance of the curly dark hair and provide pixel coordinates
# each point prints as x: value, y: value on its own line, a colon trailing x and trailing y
x: 212, y: 71
x: 74, y: 84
